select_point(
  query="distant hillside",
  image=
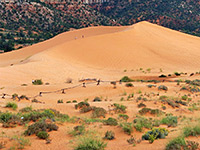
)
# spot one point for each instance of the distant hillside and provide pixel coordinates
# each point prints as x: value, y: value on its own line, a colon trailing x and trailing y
x: 25, y: 23
x: 182, y: 15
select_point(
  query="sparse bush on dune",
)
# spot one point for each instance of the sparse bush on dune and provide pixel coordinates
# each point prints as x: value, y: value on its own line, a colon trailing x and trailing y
x: 60, y: 101
x: 97, y: 99
x: 109, y: 135
x: 78, y: 130
x: 155, y: 133
x: 124, y: 116
x: 127, y: 127
x: 126, y: 79
x: 111, y: 121
x: 191, y: 131
x: 163, y: 87
x: 171, y: 121
x: 129, y: 85
x: 179, y: 143
x: 98, y: 112
x: 12, y: 105
x: 145, y: 110
x: 90, y: 143
x: 119, y: 108
x: 81, y: 105
x: 86, y: 109
x: 40, y: 126
x: 42, y: 135
x: 37, y: 82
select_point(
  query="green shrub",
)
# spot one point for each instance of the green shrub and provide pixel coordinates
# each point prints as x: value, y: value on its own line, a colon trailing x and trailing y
x: 42, y: 135
x: 74, y: 101
x: 109, y: 135
x: 60, y: 101
x: 157, y: 112
x: 81, y: 105
x: 124, y: 117
x: 78, y: 130
x: 4, y: 117
x: 126, y: 79
x: 141, y: 105
x: 132, y: 140
x: 90, y: 143
x: 185, y: 97
x: 127, y: 127
x: 129, y: 85
x: 40, y: 126
x: 141, y: 122
x: 155, y: 133
x: 163, y: 87
x: 119, y: 108
x: 171, y: 121
x: 111, y: 121
x: 97, y: 99
x: 98, y: 112
x: 68, y: 102
x: 191, y: 131
x: 37, y: 82
x: 176, y: 144
x: 26, y: 109
x: 12, y: 105
x: 86, y: 109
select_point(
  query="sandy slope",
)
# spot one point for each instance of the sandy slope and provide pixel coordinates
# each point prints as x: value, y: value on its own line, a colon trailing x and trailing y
x: 104, y: 52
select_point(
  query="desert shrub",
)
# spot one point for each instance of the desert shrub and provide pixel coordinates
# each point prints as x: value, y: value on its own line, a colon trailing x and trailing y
x: 157, y: 112
x: 171, y: 103
x: 177, y: 74
x: 171, y: 121
x: 155, y: 133
x: 127, y: 127
x: 176, y: 144
x: 141, y: 122
x: 97, y: 99
x: 86, y: 109
x: 141, y: 105
x: 26, y: 109
x: 162, y: 76
x: 126, y: 79
x: 37, y: 82
x: 119, y: 108
x: 42, y: 135
x: 60, y: 101
x: 111, y: 121
x: 164, y: 107
x: 185, y: 97
x: 132, y: 140
x: 124, y: 117
x: 12, y: 105
x: 151, y: 85
x: 90, y: 143
x: 14, y: 96
x: 181, y: 102
x: 20, y: 142
x: 191, y: 131
x: 109, y: 135
x: 163, y: 97
x: 98, y: 112
x: 35, y: 101
x: 163, y: 87
x: 129, y: 85
x: 24, y: 97
x: 81, y: 105
x: 78, y: 130
x: 4, y: 117
x: 40, y: 126
x: 68, y: 101
x: 74, y: 101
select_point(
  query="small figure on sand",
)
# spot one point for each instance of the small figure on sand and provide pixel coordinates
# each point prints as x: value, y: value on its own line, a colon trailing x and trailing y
x: 98, y: 82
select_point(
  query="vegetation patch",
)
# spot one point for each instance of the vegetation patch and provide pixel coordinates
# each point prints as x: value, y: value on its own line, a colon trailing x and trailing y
x: 155, y: 133
x: 12, y: 105
x: 109, y: 135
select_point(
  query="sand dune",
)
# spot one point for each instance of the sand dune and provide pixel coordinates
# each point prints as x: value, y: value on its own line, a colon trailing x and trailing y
x: 105, y: 52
